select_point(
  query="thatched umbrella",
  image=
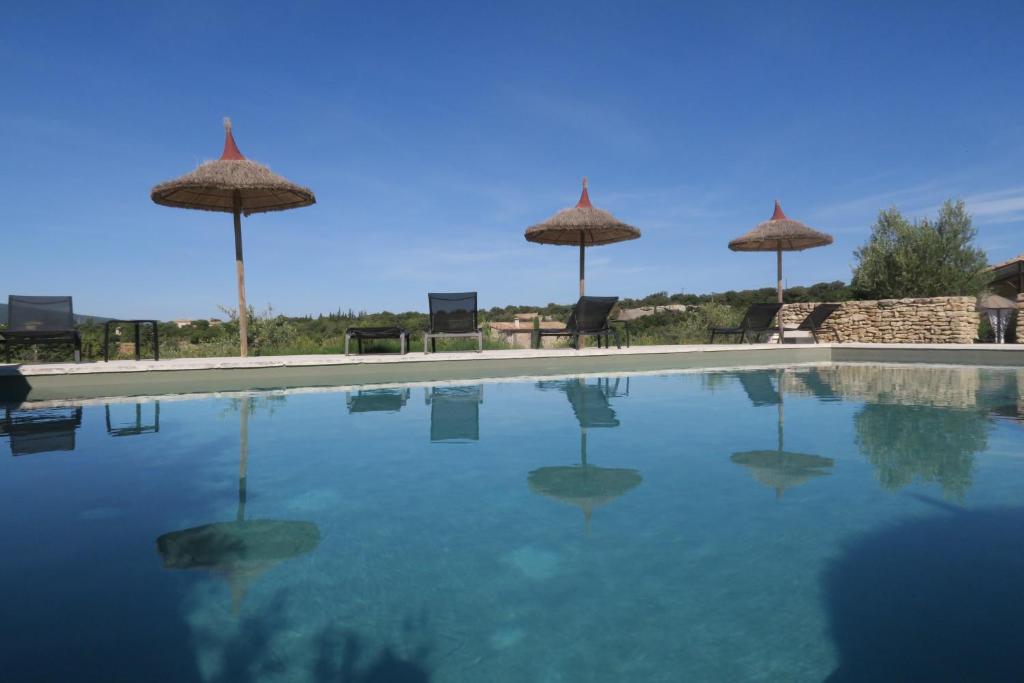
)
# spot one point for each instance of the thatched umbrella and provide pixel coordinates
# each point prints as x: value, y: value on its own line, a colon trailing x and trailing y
x: 235, y: 185
x: 999, y: 309
x: 585, y: 486
x: 584, y: 225
x: 780, y: 469
x: 243, y: 549
x: 780, y: 234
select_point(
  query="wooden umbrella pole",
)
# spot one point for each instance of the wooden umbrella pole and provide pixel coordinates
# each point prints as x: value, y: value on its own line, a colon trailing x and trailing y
x: 243, y: 312
x: 581, y: 341
x: 582, y: 262
x: 778, y: 253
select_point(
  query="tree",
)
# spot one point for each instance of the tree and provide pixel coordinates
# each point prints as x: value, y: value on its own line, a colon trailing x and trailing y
x: 904, y: 259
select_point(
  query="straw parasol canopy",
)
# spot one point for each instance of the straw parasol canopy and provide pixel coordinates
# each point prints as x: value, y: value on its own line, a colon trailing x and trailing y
x: 584, y: 225
x: 779, y: 234
x: 998, y: 310
x: 994, y: 302
x: 235, y: 185
x: 243, y: 549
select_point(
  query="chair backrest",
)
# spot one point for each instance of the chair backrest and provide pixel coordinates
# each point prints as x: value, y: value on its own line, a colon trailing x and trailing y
x: 760, y: 316
x: 591, y: 313
x: 453, y: 312
x: 39, y: 314
x: 818, y: 316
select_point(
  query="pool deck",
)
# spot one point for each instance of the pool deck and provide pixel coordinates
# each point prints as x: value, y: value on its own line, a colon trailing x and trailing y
x: 199, y: 375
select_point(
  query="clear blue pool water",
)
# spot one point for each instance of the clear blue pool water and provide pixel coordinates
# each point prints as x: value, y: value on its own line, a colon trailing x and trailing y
x: 839, y: 523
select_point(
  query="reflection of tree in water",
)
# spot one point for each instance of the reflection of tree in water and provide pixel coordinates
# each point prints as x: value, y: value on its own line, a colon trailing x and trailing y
x: 932, y: 444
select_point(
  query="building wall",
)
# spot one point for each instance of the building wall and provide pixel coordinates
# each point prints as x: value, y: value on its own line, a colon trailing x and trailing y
x: 939, y: 320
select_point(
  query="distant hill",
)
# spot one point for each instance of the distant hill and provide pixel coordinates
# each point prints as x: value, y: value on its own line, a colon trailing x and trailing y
x: 80, y: 319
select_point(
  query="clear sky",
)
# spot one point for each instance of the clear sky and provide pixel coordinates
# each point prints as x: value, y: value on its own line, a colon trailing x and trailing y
x: 434, y: 133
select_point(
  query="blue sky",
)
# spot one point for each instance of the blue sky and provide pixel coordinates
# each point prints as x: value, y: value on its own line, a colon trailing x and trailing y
x: 434, y: 133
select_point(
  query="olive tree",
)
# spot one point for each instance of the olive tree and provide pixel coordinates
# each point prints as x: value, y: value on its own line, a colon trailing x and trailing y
x: 923, y: 258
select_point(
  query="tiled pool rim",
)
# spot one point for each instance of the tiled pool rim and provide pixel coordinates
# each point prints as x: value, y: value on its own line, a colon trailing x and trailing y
x: 56, y: 381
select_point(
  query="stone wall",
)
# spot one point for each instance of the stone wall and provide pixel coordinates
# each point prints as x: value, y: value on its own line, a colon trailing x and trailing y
x: 940, y: 320
x: 1020, y: 319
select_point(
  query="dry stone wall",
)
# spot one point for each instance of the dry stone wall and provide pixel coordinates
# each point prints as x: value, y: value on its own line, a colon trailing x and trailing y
x: 939, y: 320
x: 1020, y: 319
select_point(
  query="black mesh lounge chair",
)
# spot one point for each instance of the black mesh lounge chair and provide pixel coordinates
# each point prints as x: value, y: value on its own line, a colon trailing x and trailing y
x: 815, y: 320
x: 588, y: 318
x: 452, y: 315
x: 40, y: 320
x: 757, y: 321
x: 41, y: 430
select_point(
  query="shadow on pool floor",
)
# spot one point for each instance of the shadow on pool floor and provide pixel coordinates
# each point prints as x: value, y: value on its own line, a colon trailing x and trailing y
x: 341, y: 655
x: 933, y: 599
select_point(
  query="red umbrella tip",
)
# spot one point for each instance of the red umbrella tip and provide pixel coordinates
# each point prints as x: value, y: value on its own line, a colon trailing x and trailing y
x: 778, y: 215
x: 584, y: 201
x: 231, y: 152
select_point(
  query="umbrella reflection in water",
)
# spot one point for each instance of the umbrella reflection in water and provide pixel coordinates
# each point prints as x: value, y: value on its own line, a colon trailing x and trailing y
x: 777, y: 469
x: 243, y: 549
x: 585, y: 486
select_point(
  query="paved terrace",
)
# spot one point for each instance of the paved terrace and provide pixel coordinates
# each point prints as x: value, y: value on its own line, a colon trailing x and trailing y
x: 195, y: 375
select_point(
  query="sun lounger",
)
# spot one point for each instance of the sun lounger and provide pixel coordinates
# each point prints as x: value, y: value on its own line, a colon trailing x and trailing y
x: 589, y: 318
x: 756, y: 321
x: 815, y: 320
x: 452, y: 315
x: 40, y: 320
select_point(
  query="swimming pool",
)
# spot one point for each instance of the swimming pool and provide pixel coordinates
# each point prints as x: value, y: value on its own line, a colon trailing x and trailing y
x: 784, y: 524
